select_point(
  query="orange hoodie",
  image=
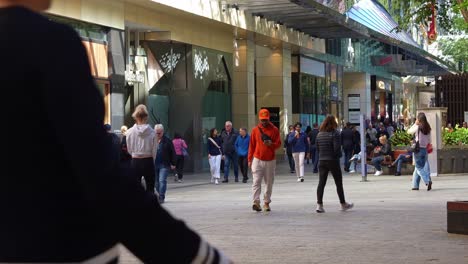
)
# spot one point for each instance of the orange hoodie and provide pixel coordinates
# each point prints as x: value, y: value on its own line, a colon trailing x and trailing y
x: 258, y: 149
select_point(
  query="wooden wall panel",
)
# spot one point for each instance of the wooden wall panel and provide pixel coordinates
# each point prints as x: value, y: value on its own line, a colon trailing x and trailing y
x: 97, y: 54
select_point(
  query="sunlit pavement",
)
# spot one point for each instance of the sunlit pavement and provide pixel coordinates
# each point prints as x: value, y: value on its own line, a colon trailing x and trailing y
x: 389, y: 223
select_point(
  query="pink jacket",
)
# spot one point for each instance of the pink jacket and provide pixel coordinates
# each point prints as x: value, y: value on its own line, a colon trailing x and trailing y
x: 178, y: 145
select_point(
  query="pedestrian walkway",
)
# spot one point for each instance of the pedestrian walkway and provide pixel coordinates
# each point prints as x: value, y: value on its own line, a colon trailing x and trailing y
x: 389, y: 224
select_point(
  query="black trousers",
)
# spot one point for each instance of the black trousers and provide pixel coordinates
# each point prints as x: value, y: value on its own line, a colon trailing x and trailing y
x: 180, y: 166
x: 144, y: 167
x: 292, y: 166
x: 243, y: 165
x: 332, y: 166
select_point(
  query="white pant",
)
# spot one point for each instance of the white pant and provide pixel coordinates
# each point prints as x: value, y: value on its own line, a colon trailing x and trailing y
x: 263, y: 170
x: 215, y: 165
x: 299, y: 162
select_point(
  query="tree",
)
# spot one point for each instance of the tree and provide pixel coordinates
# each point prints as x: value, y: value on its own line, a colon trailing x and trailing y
x: 457, y: 50
x: 451, y: 15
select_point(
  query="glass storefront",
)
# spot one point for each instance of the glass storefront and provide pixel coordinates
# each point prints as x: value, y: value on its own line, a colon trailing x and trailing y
x: 317, y: 90
x: 189, y: 92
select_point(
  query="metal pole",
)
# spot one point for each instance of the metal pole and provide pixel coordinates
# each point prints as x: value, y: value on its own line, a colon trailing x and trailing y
x: 362, y: 130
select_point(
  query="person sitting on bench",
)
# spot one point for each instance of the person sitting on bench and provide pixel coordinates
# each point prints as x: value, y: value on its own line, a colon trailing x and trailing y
x: 406, y: 157
x: 379, y: 154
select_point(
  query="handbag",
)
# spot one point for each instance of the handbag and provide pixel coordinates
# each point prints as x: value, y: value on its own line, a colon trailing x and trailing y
x: 429, y: 148
x: 415, y: 146
x: 184, y: 150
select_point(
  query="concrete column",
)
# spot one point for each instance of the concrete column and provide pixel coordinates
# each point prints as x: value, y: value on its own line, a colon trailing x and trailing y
x: 243, y: 89
x: 116, y: 50
x: 274, y: 83
x: 357, y: 83
x: 286, y: 112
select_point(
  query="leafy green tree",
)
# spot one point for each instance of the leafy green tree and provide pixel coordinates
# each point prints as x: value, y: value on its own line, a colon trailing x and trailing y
x: 451, y: 15
x: 457, y: 50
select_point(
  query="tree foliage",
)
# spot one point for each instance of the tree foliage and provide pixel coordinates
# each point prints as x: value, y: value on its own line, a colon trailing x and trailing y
x: 457, y: 50
x: 451, y: 15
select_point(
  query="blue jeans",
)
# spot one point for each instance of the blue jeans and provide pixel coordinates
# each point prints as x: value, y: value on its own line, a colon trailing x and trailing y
x: 417, y: 174
x: 161, y: 182
x: 401, y: 158
x: 376, y: 162
x: 228, y: 160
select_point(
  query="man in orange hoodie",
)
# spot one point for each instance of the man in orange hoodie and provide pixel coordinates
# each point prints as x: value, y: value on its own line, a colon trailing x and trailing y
x: 264, y: 140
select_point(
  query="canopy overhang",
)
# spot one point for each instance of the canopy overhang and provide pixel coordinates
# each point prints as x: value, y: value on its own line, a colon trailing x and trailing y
x: 319, y: 21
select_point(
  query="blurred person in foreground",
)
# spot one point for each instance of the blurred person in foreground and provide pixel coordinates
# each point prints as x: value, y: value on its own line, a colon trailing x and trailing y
x: 70, y: 204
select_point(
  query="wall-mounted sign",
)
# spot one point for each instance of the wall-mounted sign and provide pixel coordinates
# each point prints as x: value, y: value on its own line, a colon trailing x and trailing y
x: 354, y: 101
x: 353, y: 117
x: 134, y: 77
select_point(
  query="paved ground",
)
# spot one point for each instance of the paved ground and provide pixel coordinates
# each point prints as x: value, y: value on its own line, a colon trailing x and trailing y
x: 389, y: 224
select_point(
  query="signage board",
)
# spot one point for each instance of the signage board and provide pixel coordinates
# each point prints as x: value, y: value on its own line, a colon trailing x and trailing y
x: 354, y: 101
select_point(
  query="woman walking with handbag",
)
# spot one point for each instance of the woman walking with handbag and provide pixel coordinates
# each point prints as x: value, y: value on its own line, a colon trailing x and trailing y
x: 180, y: 148
x: 422, y: 131
x: 215, y: 153
x: 329, y: 149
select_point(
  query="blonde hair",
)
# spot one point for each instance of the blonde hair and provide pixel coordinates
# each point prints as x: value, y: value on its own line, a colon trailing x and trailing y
x: 140, y: 112
x: 384, y: 138
x: 123, y: 129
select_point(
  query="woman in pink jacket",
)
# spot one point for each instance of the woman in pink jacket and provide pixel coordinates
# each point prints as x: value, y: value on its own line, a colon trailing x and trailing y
x: 179, y: 146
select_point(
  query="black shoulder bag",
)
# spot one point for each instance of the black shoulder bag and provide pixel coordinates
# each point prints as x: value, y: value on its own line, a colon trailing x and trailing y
x: 265, y: 137
x: 415, y: 146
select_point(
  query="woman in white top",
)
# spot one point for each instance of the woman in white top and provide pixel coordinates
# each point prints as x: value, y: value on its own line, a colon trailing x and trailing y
x: 422, y: 131
x: 140, y: 139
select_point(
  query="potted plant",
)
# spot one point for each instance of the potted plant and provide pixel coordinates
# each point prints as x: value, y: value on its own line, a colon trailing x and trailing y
x: 400, y: 141
x: 453, y: 157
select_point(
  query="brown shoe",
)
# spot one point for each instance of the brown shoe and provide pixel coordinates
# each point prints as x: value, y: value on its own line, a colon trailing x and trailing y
x: 256, y: 207
x: 266, y: 207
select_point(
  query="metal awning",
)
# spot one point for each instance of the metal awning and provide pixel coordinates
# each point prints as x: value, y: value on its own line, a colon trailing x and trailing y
x: 306, y: 16
x: 366, y: 19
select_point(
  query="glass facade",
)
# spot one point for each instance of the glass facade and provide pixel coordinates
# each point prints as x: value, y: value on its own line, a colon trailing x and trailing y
x: 189, y: 93
x: 317, y: 90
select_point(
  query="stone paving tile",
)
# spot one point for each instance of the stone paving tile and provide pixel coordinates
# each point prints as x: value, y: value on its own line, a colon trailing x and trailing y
x: 389, y: 224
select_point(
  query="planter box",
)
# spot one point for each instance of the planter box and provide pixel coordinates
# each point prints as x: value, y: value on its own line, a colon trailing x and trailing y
x: 457, y: 217
x: 452, y: 159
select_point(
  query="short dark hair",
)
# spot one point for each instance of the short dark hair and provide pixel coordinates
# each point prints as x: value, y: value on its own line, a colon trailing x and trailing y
x: 315, y: 125
x: 177, y: 135
x: 298, y: 124
x: 329, y: 124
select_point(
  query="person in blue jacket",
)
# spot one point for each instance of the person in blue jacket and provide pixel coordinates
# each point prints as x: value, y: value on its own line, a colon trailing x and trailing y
x: 300, y: 146
x: 242, y: 149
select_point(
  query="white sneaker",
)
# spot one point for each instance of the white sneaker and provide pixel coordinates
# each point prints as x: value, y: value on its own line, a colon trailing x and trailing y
x: 319, y: 208
x: 352, y: 171
x: 299, y: 179
x: 212, y: 179
x: 179, y: 181
x: 378, y: 173
x: 346, y: 206
x: 216, y: 181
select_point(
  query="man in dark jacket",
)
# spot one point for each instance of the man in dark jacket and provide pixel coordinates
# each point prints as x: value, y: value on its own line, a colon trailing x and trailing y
x: 313, y: 147
x: 69, y: 204
x: 288, y: 150
x: 164, y: 160
x: 347, y: 141
x: 229, y: 137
